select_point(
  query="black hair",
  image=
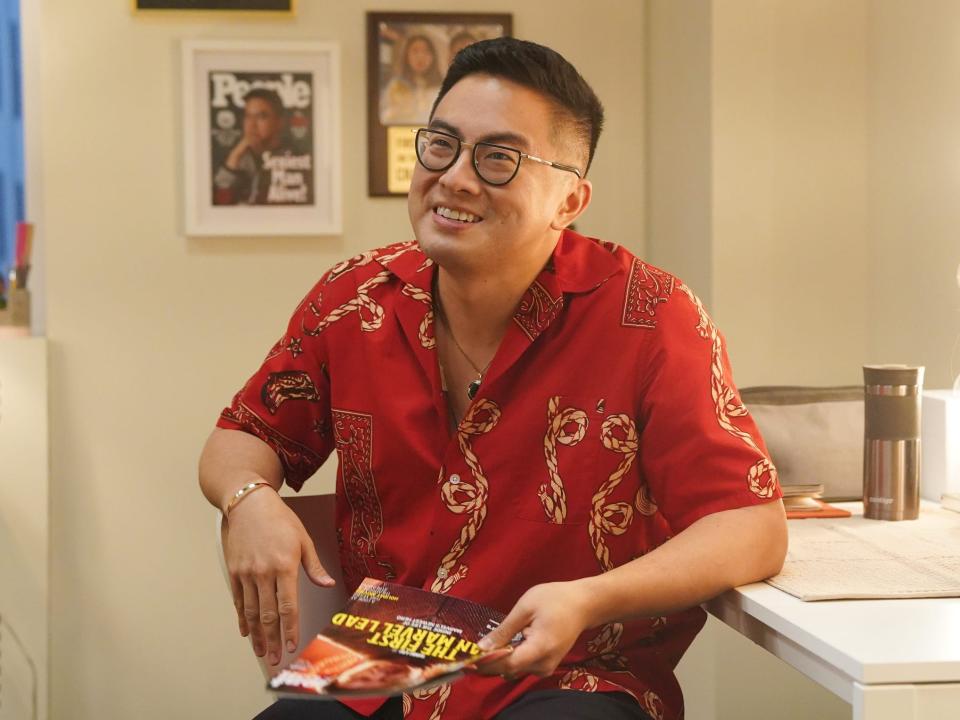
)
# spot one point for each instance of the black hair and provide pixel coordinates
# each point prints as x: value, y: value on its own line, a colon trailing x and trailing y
x: 538, y: 68
x: 268, y: 96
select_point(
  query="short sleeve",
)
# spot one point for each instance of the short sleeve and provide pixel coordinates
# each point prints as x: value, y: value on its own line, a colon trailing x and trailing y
x: 700, y: 450
x: 286, y: 403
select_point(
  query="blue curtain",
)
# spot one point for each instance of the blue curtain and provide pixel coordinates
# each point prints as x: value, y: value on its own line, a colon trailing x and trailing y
x: 11, y: 131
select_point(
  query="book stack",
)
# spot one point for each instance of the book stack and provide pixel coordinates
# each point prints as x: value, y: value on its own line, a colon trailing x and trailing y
x: 802, y: 498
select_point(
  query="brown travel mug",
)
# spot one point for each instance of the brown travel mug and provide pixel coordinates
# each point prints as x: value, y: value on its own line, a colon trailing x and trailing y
x: 891, y: 443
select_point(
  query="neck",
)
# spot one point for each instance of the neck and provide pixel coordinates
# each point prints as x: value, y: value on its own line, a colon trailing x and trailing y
x: 478, y: 308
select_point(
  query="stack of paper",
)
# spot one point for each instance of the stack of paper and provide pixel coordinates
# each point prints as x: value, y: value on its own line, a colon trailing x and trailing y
x: 802, y: 497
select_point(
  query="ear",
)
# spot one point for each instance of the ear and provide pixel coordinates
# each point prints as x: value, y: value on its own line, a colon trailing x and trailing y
x: 573, y: 204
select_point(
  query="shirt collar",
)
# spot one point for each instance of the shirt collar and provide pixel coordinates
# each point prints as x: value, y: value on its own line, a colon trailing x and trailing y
x: 581, y: 263
x: 407, y: 262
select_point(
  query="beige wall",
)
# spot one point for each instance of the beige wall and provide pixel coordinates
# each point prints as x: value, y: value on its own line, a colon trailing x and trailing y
x: 802, y: 176
x: 680, y: 141
x: 757, y: 179
x: 789, y: 179
x: 914, y: 186
x: 152, y: 332
x: 825, y: 134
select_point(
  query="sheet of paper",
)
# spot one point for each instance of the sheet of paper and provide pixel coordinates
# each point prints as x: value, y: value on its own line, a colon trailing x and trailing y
x: 846, y: 558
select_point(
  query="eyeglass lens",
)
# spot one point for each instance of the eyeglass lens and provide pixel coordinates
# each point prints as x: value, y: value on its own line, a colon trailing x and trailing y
x: 495, y: 164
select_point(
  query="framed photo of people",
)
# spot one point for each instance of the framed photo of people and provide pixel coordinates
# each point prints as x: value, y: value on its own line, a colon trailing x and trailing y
x: 261, y: 138
x: 407, y: 57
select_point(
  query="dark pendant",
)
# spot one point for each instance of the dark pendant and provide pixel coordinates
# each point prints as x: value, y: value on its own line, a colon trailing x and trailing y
x: 472, y: 388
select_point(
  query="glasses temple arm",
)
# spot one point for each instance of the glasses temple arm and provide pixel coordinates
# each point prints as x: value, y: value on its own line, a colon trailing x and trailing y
x: 560, y: 166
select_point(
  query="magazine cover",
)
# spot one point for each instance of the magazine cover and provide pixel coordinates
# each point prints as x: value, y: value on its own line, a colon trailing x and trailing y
x: 262, y: 139
x: 390, y: 639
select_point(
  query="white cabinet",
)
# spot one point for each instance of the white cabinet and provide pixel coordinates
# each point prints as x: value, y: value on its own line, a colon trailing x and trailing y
x: 24, y: 527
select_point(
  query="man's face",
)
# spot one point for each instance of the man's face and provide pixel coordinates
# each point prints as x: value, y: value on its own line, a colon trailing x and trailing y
x: 261, y: 124
x: 510, y: 229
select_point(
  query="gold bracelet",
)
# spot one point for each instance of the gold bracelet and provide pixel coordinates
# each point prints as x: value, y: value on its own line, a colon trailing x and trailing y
x: 242, y: 493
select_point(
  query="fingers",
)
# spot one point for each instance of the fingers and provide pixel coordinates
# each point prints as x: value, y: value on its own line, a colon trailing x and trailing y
x: 288, y: 610
x: 492, y: 656
x: 251, y: 614
x: 268, y: 611
x: 549, y: 624
x: 269, y: 618
x: 530, y: 656
x: 312, y: 565
x: 515, y: 622
x: 503, y: 665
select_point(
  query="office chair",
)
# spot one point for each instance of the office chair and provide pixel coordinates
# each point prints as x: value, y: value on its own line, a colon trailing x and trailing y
x: 317, y: 605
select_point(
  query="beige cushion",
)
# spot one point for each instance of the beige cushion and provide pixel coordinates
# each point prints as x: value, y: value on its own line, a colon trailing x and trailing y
x: 814, y: 435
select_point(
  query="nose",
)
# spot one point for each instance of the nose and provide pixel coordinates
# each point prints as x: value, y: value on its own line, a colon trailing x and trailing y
x: 461, y: 176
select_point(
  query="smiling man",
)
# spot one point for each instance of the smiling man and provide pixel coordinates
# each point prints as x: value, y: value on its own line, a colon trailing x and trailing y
x: 526, y: 417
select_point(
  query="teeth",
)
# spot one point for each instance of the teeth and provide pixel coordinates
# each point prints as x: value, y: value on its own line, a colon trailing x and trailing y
x: 457, y: 215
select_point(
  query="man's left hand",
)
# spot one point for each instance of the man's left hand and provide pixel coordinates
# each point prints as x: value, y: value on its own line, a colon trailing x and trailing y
x: 551, y: 617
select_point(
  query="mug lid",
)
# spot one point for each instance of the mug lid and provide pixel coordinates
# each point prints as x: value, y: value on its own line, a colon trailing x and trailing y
x: 893, y: 374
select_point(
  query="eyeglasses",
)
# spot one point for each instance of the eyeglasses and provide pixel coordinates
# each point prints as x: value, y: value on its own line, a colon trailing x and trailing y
x: 495, y: 164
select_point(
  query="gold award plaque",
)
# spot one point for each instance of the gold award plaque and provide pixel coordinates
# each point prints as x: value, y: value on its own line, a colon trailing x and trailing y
x: 401, y: 157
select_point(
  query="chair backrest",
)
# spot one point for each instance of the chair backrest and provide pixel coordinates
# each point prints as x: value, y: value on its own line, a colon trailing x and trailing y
x: 317, y: 605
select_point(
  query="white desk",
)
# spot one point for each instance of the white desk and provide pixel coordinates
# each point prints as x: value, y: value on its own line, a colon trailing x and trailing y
x: 890, y: 659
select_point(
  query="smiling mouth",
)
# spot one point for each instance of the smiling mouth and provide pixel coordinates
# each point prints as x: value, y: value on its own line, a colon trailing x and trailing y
x: 458, y: 215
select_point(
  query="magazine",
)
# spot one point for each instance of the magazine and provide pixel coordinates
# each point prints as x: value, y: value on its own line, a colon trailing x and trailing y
x: 390, y: 639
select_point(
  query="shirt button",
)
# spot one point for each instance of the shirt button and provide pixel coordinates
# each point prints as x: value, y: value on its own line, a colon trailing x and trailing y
x: 442, y: 573
x: 454, y: 479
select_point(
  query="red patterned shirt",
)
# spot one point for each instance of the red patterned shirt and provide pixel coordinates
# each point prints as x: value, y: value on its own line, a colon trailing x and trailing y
x: 607, y: 423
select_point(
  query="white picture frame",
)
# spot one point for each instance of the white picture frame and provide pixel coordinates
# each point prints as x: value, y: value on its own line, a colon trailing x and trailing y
x: 293, y: 188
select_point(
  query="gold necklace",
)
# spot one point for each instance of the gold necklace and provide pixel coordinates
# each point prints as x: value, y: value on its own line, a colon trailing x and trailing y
x: 474, y: 386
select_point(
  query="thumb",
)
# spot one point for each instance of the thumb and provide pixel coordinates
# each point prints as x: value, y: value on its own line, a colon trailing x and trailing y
x: 312, y: 565
x: 512, y: 624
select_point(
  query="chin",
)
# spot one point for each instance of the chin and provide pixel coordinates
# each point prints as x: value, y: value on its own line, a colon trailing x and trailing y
x: 449, y: 253
x: 439, y: 249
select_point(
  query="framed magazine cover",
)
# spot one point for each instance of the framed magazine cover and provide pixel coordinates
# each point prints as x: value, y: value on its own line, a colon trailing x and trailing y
x: 261, y: 138
x: 407, y: 57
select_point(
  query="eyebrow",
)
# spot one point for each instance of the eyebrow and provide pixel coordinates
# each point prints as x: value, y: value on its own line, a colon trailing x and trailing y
x: 508, y: 138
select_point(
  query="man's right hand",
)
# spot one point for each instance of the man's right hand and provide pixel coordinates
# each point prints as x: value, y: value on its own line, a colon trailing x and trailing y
x: 264, y: 543
x: 236, y: 153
